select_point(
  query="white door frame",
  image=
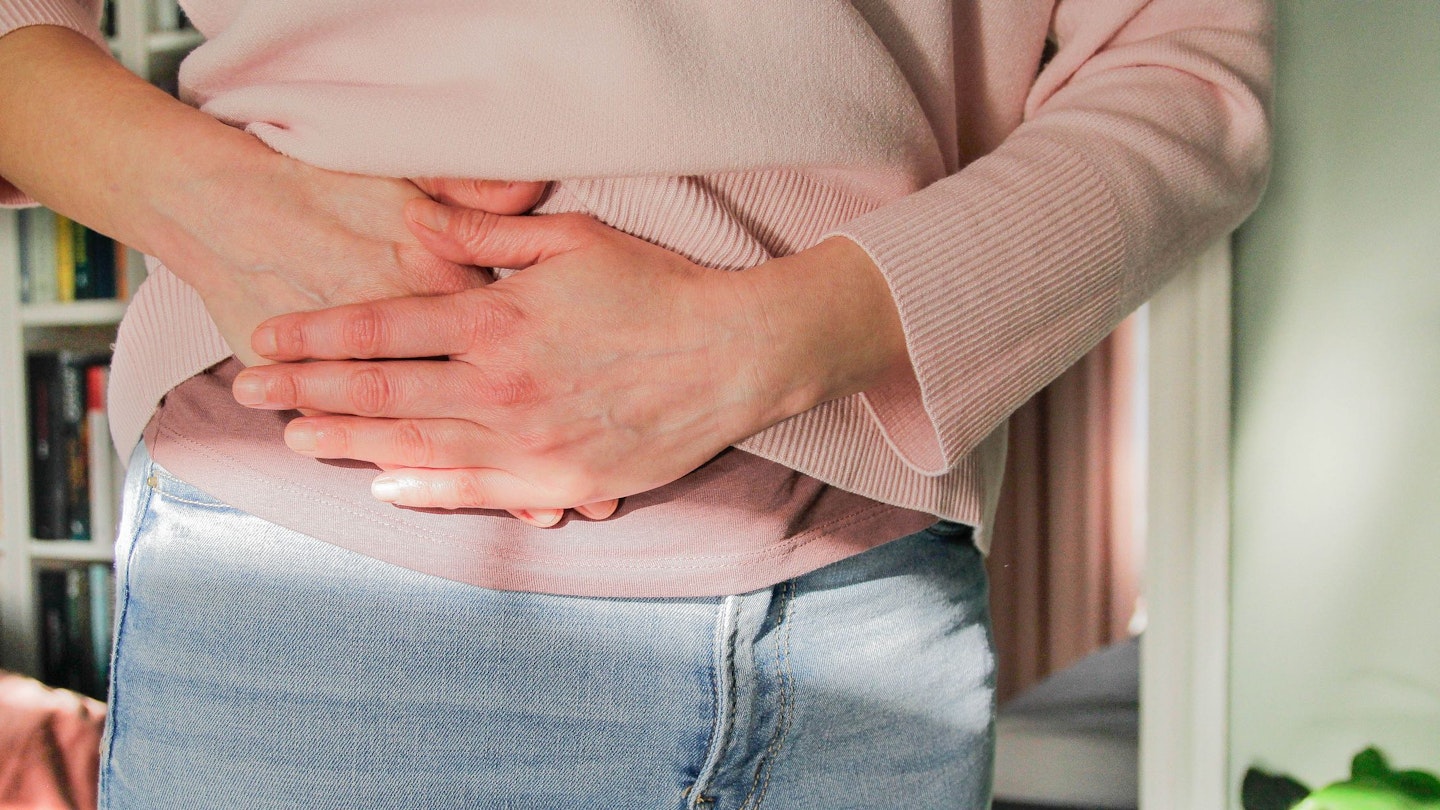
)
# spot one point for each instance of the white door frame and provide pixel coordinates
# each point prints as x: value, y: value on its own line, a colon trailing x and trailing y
x: 1184, y: 671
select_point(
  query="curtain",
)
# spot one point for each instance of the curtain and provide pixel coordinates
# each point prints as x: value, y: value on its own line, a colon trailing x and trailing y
x: 1064, y: 565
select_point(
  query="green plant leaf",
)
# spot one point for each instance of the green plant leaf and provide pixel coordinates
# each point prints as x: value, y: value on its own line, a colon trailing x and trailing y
x: 1371, y: 764
x: 1419, y: 784
x: 1267, y: 791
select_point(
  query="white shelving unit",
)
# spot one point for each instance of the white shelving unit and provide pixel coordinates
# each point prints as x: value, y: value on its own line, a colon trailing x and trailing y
x: 144, y: 45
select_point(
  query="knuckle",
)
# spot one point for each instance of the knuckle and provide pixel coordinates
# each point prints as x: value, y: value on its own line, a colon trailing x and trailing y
x: 412, y: 445
x: 285, y: 388
x: 494, y: 319
x: 467, y: 490
x: 362, y: 332
x: 370, y: 391
x: 290, y: 337
x: 509, y: 389
x: 577, y: 226
x: 473, y: 228
x: 333, y: 437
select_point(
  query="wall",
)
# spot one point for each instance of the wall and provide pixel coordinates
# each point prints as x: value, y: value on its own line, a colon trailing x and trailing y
x: 1336, y: 534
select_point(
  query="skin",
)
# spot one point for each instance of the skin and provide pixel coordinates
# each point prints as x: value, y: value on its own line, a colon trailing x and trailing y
x: 609, y: 399
x: 559, y: 390
x: 255, y: 233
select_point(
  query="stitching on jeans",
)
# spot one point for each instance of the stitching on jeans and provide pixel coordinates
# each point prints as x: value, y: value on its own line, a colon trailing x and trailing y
x: 782, y: 668
x: 787, y: 706
x: 142, y: 508
x: 722, y: 685
x: 170, y: 496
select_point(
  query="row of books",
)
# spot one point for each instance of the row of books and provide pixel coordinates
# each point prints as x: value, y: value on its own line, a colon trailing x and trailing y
x: 76, y: 622
x: 62, y: 260
x: 73, y: 466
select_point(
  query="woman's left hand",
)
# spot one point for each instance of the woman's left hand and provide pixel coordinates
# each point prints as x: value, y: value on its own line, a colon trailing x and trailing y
x: 608, y: 367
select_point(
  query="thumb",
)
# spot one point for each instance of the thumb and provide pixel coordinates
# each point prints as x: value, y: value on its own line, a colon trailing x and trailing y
x: 495, y: 196
x: 470, y: 236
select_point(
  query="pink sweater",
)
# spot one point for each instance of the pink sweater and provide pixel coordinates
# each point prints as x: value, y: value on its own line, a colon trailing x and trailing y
x: 1018, y: 210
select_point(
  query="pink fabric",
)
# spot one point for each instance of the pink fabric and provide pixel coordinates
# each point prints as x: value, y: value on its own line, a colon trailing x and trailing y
x: 1017, y: 218
x: 49, y: 746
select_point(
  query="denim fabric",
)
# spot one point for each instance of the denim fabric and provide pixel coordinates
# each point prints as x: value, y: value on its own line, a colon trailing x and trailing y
x: 259, y: 668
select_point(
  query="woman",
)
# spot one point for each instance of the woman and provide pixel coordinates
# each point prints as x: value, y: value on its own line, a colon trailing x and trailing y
x: 934, y: 216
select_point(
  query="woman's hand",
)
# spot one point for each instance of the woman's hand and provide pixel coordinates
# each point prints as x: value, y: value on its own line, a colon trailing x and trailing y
x: 607, y: 367
x: 269, y: 235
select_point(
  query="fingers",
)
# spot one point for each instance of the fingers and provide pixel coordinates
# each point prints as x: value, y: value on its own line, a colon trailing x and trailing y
x: 495, y: 196
x: 468, y: 236
x: 600, y: 510
x: 398, y: 390
x: 397, y: 443
x: 539, y: 518
x: 476, y: 488
x: 429, y: 326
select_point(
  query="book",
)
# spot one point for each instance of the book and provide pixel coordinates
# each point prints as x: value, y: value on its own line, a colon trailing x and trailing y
x: 94, y: 256
x: 64, y: 259
x: 61, y: 446
x: 76, y: 445
x: 47, y: 471
x: 50, y: 595
x: 100, y: 455
x: 76, y: 626
x: 37, y: 256
x: 79, y: 655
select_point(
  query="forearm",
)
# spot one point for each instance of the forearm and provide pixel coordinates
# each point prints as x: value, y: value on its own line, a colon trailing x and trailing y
x: 81, y: 134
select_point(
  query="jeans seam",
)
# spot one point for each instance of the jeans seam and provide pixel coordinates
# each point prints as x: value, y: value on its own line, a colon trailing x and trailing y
x: 722, y: 684
x: 785, y: 675
x: 142, y: 507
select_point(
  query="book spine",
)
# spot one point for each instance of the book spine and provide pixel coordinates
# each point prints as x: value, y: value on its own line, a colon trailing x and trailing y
x: 47, y: 473
x: 84, y: 268
x: 26, y: 250
x: 79, y: 673
x: 39, y: 228
x: 76, y: 446
x: 50, y: 591
x: 100, y: 456
x: 64, y: 259
x: 122, y: 271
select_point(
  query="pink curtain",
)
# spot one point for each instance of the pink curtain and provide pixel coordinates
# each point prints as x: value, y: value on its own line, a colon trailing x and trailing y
x: 1064, y: 566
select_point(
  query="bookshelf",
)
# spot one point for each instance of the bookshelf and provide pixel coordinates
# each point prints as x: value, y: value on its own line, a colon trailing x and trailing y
x: 149, y: 38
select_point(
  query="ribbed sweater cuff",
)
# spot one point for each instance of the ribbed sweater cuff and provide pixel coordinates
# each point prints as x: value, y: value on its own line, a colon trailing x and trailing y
x: 1004, y: 274
x: 15, y: 14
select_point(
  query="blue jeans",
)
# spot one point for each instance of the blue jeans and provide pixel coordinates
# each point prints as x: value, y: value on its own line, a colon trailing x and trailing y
x: 256, y: 667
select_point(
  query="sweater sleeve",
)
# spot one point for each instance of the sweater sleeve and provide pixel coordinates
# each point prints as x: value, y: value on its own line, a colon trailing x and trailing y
x: 82, y: 16
x: 1145, y: 137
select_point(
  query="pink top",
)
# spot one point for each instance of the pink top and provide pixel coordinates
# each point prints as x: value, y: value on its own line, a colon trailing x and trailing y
x: 1017, y: 217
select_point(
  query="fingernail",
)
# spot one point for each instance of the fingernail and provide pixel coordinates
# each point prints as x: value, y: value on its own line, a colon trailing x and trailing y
x: 263, y: 341
x: 432, y: 215
x: 301, y: 437
x: 249, y: 390
x: 546, y: 517
x: 387, y: 488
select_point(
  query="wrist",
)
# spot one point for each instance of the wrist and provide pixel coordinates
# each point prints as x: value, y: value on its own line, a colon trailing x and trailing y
x: 200, y: 191
x: 832, y: 326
